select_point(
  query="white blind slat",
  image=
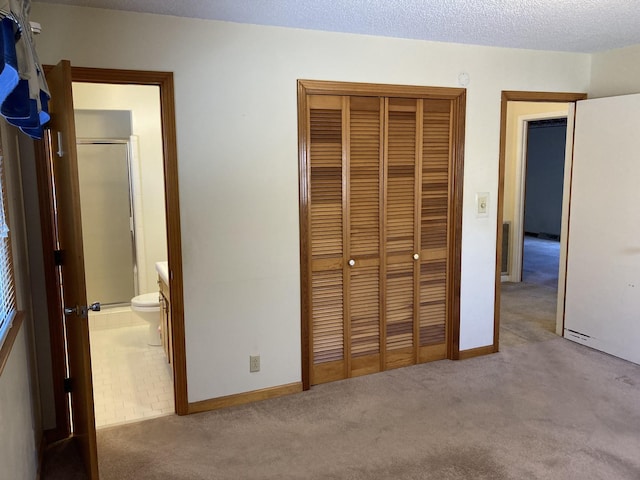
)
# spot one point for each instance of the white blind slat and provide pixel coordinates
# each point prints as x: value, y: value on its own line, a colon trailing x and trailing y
x: 7, y: 285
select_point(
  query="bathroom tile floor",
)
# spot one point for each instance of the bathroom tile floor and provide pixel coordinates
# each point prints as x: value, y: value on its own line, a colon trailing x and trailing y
x: 131, y: 380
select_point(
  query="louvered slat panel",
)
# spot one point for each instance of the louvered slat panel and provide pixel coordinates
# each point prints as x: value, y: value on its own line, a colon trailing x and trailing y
x: 432, y: 316
x: 400, y: 232
x: 399, y: 306
x: 327, y: 315
x: 326, y: 212
x: 435, y: 178
x: 401, y: 158
x: 365, y: 311
x: 364, y: 239
x: 436, y: 158
x: 364, y: 170
x: 326, y: 183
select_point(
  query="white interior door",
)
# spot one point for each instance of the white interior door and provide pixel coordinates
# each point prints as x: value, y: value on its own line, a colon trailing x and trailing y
x: 603, y: 258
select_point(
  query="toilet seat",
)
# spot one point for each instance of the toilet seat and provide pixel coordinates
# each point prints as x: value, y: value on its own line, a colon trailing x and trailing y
x: 148, y: 302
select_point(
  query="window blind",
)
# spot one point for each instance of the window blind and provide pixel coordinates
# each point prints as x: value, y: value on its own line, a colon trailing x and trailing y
x: 7, y: 286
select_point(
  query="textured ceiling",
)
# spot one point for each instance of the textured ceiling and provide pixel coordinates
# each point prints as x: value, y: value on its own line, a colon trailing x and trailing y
x: 564, y: 25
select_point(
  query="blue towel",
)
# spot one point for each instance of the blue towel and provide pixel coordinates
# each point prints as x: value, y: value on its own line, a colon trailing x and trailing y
x: 9, y: 75
x: 38, y: 131
x: 24, y: 102
x: 18, y: 108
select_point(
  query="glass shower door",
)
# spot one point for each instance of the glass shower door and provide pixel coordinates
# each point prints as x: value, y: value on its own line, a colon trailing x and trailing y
x: 107, y: 222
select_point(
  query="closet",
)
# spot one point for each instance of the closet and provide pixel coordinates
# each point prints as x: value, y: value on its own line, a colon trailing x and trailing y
x: 380, y: 192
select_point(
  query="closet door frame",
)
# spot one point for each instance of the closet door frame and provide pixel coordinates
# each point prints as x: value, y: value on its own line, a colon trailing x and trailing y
x: 458, y: 98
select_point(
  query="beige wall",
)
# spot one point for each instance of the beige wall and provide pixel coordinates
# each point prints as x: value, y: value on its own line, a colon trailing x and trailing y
x: 144, y: 103
x: 236, y: 118
x: 18, y: 454
x: 20, y: 414
x: 616, y: 72
x: 517, y: 112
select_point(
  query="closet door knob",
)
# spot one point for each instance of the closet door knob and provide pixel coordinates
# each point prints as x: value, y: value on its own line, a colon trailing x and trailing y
x: 416, y: 256
x: 352, y: 262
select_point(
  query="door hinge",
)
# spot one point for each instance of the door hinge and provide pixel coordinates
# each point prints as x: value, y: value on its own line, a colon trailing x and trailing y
x: 58, y: 257
x: 68, y: 385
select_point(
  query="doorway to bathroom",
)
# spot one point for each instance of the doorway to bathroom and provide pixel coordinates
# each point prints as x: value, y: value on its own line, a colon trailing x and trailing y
x: 70, y: 353
x: 121, y: 178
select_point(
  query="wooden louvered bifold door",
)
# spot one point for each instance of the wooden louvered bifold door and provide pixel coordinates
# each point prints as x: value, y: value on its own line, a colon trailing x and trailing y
x: 400, y: 239
x: 434, y: 228
x: 379, y: 191
x: 327, y: 243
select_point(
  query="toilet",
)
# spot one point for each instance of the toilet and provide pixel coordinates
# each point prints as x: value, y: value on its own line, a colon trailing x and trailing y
x: 147, y: 308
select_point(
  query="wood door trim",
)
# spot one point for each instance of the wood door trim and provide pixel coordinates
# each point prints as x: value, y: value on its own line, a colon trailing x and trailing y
x: 458, y: 98
x: 573, y: 112
x: 455, y: 247
x: 304, y: 181
x: 12, y: 334
x: 320, y: 87
x: 514, y: 96
x: 164, y: 80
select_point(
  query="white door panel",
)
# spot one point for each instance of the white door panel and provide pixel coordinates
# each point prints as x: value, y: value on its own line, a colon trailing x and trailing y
x: 603, y: 265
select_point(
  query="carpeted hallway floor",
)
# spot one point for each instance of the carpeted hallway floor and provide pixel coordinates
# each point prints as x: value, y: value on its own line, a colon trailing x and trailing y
x: 528, y: 308
x: 542, y: 408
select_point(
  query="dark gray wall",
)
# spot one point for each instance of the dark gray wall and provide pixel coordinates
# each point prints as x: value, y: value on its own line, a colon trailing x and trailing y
x: 545, y: 173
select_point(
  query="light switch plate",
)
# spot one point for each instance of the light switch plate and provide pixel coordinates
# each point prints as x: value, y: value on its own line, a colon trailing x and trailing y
x: 482, y: 204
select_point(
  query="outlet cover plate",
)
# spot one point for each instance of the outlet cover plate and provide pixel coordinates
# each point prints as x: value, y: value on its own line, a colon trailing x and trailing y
x: 254, y: 363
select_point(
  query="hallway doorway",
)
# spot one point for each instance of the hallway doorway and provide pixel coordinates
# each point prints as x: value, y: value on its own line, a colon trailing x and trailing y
x: 535, y: 162
x: 534, y: 302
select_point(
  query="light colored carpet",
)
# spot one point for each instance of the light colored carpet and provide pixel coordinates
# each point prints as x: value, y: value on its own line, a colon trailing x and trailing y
x: 542, y: 408
x: 545, y: 410
x: 528, y: 308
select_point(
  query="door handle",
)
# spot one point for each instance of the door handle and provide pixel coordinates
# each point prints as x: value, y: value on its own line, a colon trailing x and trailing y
x: 82, y: 310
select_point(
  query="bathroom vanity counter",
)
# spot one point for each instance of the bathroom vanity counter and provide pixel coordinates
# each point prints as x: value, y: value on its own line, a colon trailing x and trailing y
x: 165, y: 308
x: 163, y: 271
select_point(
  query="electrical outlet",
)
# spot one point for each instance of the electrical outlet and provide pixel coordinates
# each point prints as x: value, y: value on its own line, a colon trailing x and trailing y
x: 254, y: 363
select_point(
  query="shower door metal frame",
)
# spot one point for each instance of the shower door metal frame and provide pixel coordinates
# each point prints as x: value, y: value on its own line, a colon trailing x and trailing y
x: 132, y: 213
